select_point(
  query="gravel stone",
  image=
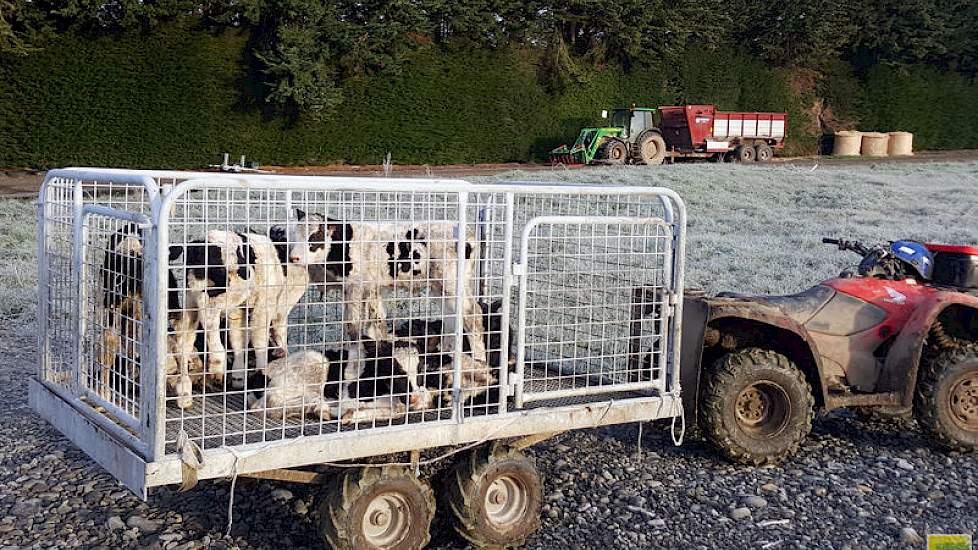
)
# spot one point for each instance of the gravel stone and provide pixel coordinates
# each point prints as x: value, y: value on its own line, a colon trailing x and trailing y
x: 142, y: 524
x: 904, y: 465
x: 740, y: 513
x: 756, y: 502
x: 908, y: 535
x: 115, y: 523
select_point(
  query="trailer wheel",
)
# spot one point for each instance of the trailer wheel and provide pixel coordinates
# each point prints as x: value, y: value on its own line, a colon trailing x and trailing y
x: 763, y: 152
x: 744, y: 153
x: 377, y: 508
x: 495, y: 497
x: 947, y: 397
x: 757, y: 406
x: 652, y: 149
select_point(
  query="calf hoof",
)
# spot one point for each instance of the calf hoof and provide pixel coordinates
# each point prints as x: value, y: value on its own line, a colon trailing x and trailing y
x: 216, y: 367
x: 183, y: 390
x: 185, y: 401
x: 237, y: 381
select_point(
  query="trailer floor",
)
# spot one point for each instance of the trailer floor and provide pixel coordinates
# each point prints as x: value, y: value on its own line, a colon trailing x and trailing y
x: 223, y: 419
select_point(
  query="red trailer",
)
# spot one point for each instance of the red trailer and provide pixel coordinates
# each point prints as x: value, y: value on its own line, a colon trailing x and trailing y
x: 702, y: 131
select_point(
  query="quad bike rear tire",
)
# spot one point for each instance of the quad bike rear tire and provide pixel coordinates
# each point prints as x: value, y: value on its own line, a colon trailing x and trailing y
x: 651, y: 149
x: 757, y: 406
x: 377, y: 507
x: 763, y: 152
x: 494, y: 497
x: 613, y: 152
x: 947, y: 397
x: 744, y: 153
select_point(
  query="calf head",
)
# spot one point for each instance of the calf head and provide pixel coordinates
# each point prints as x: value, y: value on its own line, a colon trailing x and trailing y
x: 322, y: 241
x: 396, y: 367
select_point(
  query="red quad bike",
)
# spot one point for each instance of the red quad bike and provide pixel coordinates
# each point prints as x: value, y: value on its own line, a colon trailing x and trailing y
x: 898, y: 332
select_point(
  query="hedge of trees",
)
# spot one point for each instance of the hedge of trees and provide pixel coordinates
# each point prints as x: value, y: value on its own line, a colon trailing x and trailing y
x: 176, y: 82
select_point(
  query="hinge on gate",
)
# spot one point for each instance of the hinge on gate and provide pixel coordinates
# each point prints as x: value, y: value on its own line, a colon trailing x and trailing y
x: 519, y: 269
x: 671, y: 301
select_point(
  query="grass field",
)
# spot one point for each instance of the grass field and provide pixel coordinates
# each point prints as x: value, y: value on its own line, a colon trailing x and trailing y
x: 759, y: 228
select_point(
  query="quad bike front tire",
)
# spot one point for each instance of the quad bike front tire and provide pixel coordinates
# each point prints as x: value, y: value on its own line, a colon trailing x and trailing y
x: 651, y: 149
x: 494, y: 497
x: 947, y: 397
x: 757, y: 406
x: 377, y: 508
x: 763, y: 152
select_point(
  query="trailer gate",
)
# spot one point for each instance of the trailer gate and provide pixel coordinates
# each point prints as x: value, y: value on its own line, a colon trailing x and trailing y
x: 576, y: 289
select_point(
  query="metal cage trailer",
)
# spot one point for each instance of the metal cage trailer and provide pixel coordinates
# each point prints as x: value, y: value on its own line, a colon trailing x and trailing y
x: 202, y: 325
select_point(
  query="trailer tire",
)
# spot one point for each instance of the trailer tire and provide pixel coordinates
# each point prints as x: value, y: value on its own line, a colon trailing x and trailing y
x: 763, y: 152
x: 757, y: 406
x: 494, y: 497
x: 947, y: 397
x: 744, y: 153
x: 398, y: 506
x: 651, y: 149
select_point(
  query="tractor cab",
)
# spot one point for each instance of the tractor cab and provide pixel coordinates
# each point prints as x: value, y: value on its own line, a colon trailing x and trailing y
x: 633, y: 120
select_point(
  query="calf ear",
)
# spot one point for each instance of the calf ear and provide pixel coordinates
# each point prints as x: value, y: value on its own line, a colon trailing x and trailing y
x: 176, y: 251
x: 300, y: 214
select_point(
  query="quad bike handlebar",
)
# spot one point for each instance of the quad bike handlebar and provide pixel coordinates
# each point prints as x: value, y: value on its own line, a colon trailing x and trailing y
x: 877, y: 261
x: 855, y: 246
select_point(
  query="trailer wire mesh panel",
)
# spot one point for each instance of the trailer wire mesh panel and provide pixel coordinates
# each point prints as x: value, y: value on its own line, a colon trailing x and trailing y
x: 220, y: 312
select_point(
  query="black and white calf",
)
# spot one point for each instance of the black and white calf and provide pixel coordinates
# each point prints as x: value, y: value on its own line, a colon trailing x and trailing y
x: 244, y: 280
x: 477, y: 377
x: 364, y: 382
x: 121, y: 299
x: 370, y: 258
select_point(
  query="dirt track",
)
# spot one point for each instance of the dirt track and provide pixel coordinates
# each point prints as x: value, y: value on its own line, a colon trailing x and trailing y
x: 25, y: 183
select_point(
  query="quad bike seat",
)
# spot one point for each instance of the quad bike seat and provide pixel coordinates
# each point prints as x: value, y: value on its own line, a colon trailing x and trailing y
x: 801, y: 307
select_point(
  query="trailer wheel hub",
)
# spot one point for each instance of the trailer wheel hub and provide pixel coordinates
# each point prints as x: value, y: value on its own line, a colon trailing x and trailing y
x: 387, y: 520
x: 506, y: 500
x: 964, y: 400
x: 763, y: 409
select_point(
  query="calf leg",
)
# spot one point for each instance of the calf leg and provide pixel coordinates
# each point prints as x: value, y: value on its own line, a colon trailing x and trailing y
x: 237, y: 338
x: 182, y: 342
x: 260, y: 328
x: 210, y: 320
x: 111, y: 343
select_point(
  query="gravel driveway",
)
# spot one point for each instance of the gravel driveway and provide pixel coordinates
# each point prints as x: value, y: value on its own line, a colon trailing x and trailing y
x: 855, y: 484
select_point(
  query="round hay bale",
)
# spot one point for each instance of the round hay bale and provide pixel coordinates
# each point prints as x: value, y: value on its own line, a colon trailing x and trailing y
x: 847, y: 143
x: 875, y: 144
x: 901, y: 144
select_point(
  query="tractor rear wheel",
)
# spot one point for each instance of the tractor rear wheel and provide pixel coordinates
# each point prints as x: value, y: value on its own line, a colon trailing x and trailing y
x: 763, y: 152
x: 947, y: 397
x: 652, y: 149
x: 372, y: 508
x: 744, y: 153
x: 495, y: 497
x: 614, y: 152
x: 757, y: 406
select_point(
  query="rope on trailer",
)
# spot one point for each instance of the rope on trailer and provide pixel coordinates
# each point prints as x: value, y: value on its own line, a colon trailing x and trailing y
x: 677, y: 403
x: 191, y: 459
x: 639, y: 450
x: 234, y: 482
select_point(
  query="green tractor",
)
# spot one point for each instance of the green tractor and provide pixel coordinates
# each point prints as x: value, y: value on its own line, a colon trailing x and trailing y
x: 632, y: 137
